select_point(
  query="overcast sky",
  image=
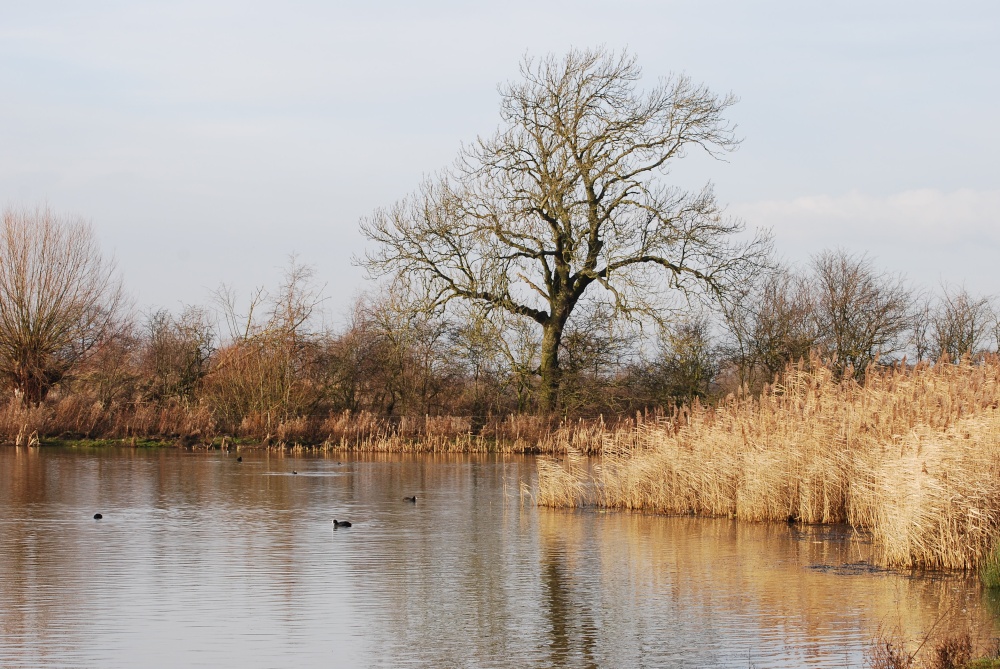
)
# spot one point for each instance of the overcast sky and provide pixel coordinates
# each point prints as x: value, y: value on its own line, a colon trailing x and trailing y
x: 206, y: 141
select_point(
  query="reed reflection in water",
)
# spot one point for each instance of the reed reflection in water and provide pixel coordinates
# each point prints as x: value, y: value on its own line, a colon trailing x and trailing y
x: 203, y: 561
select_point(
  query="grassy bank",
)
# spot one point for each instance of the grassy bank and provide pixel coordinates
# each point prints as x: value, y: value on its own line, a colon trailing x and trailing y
x: 911, y: 456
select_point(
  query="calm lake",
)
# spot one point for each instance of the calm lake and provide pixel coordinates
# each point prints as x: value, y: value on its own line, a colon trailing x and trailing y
x: 203, y: 561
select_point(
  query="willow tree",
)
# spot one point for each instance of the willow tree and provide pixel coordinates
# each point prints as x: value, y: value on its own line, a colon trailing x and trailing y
x: 59, y: 298
x: 569, y: 194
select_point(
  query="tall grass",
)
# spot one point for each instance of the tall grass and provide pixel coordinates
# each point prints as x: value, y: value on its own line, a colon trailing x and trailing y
x: 80, y: 416
x: 911, y: 456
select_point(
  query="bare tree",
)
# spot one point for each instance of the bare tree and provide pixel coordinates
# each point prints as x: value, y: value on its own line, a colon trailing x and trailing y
x: 566, y: 195
x: 109, y: 374
x: 771, y: 325
x: 264, y: 371
x: 686, y: 364
x: 394, y: 361
x: 959, y: 324
x: 921, y: 320
x: 481, y: 346
x: 59, y: 298
x: 413, y: 355
x: 861, y: 313
x: 513, y: 345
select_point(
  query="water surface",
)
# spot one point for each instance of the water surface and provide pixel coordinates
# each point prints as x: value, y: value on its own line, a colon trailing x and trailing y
x: 203, y: 561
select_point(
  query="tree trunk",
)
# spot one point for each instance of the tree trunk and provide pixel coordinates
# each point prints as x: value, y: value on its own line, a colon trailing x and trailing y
x: 31, y: 387
x: 548, y: 398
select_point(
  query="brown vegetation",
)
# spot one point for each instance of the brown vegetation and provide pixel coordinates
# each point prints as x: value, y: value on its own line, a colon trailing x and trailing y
x: 910, y: 455
x: 59, y: 298
x: 81, y: 417
x: 945, y: 651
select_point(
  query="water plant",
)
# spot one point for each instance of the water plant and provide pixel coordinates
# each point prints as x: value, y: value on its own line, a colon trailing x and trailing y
x: 989, y: 572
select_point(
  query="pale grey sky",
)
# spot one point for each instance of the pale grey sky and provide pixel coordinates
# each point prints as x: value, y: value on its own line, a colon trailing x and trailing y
x: 206, y: 140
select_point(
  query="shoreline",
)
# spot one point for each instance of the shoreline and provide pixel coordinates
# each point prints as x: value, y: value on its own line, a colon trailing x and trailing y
x: 456, y: 446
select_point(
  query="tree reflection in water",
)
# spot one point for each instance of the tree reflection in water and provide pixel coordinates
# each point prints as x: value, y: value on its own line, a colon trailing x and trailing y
x: 202, y: 561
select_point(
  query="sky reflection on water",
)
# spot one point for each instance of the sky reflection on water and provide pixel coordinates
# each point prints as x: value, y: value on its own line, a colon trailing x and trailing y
x: 200, y: 561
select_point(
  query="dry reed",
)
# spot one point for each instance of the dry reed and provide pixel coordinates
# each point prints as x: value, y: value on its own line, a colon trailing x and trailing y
x: 442, y: 434
x: 78, y: 416
x: 911, y: 456
x: 82, y: 416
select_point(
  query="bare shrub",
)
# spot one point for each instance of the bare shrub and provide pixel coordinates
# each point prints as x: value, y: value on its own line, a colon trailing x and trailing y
x: 176, y: 353
x: 885, y: 653
x: 266, y: 371
x: 296, y: 430
x: 953, y: 652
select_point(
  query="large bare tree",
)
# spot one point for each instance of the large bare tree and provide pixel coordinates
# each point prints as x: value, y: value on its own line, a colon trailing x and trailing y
x: 568, y: 194
x: 59, y: 297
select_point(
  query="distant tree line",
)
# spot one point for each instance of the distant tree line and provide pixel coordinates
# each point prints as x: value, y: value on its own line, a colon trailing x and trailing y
x: 253, y: 364
x: 550, y: 270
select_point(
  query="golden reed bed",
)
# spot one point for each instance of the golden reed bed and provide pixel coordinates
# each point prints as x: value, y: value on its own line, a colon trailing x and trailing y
x: 911, y: 456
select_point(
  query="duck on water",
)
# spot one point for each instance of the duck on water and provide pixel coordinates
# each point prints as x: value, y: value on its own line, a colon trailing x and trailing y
x: 341, y: 523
